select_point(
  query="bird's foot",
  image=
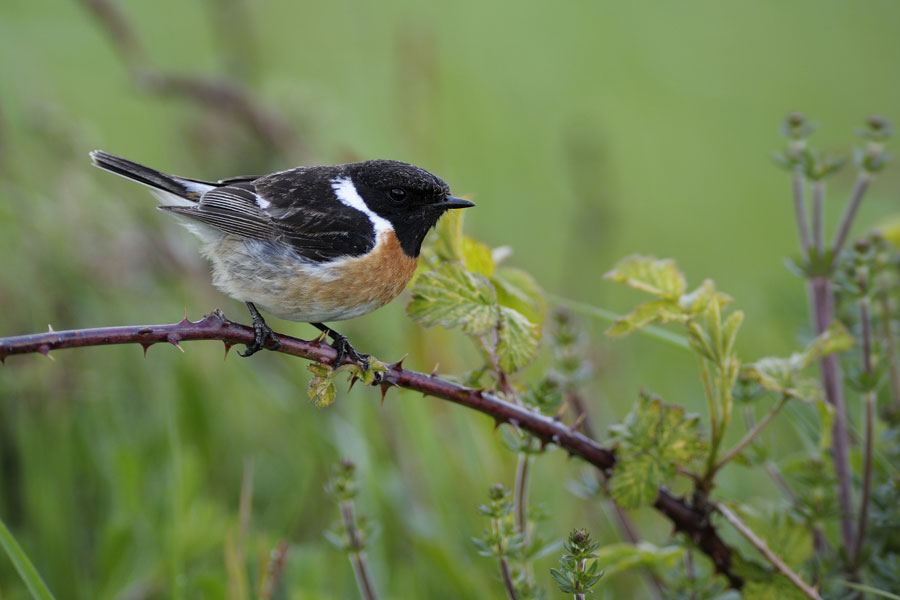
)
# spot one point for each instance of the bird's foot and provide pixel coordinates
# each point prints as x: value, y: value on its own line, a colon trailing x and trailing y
x: 342, y: 346
x: 263, y: 334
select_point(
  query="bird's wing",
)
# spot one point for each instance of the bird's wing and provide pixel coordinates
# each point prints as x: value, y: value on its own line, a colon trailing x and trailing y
x: 315, y: 225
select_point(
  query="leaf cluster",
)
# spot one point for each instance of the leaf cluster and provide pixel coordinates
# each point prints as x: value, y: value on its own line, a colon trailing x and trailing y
x: 575, y: 576
x: 464, y: 287
x: 652, y: 442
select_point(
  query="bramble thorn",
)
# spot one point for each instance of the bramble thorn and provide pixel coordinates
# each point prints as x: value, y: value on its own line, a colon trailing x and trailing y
x: 385, y: 386
x: 434, y: 371
x: 228, y: 346
x: 146, y: 347
x: 49, y: 327
x: 174, y: 338
x: 398, y: 366
x: 45, y: 350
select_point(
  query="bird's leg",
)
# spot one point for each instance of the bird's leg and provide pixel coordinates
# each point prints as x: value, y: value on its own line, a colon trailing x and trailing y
x: 342, y: 346
x: 263, y: 333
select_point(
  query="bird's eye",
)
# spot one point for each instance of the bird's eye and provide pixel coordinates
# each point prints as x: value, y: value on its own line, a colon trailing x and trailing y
x: 398, y: 194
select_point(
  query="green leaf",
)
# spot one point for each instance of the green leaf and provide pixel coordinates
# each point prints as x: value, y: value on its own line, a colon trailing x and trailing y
x: 452, y: 297
x: 783, y: 530
x: 517, y: 289
x: 635, y: 480
x: 835, y: 339
x: 662, y: 310
x: 782, y: 375
x: 23, y: 565
x: 826, y: 419
x: 777, y: 587
x: 697, y: 302
x: 448, y: 244
x: 653, y: 440
x: 477, y: 257
x: 321, y: 391
x: 651, y: 275
x: 619, y: 557
x: 518, y: 340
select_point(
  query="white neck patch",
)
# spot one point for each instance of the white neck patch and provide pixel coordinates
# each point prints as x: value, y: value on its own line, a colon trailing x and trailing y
x: 346, y: 192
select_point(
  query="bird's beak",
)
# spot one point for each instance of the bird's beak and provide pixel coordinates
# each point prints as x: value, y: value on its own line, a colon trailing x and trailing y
x: 455, y: 202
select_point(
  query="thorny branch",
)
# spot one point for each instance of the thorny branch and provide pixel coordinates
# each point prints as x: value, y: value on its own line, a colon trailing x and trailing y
x: 690, y: 520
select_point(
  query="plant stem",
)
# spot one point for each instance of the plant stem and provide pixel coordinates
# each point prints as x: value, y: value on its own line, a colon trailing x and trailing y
x: 869, y: 401
x: 823, y: 314
x: 357, y: 556
x: 608, y: 316
x: 818, y: 216
x: 859, y: 190
x: 773, y: 558
x: 580, y: 566
x: 751, y: 435
x: 798, y: 182
x: 507, y: 579
x: 713, y: 414
x: 520, y: 497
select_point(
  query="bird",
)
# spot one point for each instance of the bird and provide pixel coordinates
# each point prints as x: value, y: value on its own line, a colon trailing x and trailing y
x: 312, y: 244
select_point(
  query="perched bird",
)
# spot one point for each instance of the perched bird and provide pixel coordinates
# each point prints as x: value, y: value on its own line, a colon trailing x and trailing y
x: 309, y: 244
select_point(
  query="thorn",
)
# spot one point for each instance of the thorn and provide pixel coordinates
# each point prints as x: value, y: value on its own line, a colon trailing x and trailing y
x: 434, y: 371
x: 544, y: 444
x: 45, y: 350
x: 146, y: 347
x: 184, y: 319
x: 353, y: 381
x: 385, y: 386
x: 174, y: 338
x: 398, y: 366
x: 2, y: 360
x: 497, y: 424
x: 228, y: 346
x: 49, y: 327
x: 321, y: 337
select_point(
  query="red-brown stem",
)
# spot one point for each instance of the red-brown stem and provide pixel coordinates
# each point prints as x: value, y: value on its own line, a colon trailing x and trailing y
x: 508, y: 582
x: 869, y: 401
x: 694, y: 522
x: 823, y: 315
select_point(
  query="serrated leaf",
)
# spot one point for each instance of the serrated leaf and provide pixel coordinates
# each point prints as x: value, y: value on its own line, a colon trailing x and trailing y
x: 518, y: 340
x: 321, y: 391
x: 835, y: 339
x: 698, y: 301
x: 619, y: 557
x: 730, y: 329
x: 652, y: 441
x: 662, y: 310
x: 452, y: 297
x: 635, y: 480
x: 517, y: 289
x: 448, y: 245
x: 477, y: 257
x: 782, y: 530
x: 651, y: 275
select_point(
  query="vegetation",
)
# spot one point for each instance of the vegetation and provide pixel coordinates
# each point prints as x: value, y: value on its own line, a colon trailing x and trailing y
x: 716, y: 451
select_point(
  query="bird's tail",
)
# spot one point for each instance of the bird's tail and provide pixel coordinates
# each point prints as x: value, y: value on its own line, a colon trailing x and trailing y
x: 189, y: 189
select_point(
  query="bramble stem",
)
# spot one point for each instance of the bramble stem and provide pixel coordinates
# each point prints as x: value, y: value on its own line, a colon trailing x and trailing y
x: 357, y: 556
x: 751, y: 435
x: 686, y: 518
x: 773, y: 558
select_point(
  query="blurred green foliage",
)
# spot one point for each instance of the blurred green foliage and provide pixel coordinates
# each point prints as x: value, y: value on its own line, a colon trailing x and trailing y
x: 585, y: 131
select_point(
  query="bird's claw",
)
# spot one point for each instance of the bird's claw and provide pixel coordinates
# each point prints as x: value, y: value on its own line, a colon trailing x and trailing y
x: 263, y: 335
x: 343, y: 348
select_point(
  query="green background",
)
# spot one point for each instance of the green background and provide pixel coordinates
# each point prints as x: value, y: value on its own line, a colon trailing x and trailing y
x: 584, y: 131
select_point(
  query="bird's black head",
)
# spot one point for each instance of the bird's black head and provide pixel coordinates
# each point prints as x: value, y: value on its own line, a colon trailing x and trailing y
x: 410, y: 198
